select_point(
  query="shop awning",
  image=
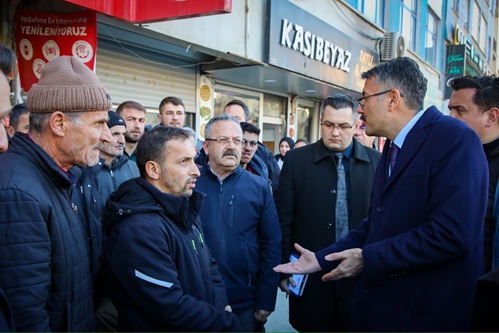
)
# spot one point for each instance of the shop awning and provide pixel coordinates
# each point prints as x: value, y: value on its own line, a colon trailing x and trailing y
x: 146, y: 11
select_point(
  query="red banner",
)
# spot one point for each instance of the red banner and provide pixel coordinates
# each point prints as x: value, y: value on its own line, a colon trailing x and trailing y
x: 147, y: 11
x: 41, y: 37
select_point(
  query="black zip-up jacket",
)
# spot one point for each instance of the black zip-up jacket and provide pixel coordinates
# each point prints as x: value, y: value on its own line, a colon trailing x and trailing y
x: 160, y: 273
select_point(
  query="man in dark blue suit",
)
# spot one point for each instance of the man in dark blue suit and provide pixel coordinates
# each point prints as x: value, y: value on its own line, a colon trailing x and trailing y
x: 419, y: 252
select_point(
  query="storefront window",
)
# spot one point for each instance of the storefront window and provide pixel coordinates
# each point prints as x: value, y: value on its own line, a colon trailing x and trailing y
x: 274, y: 106
x: 305, y: 120
x: 222, y: 97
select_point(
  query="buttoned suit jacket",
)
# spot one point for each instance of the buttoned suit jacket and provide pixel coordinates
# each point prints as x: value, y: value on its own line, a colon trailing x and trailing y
x: 423, y: 240
x: 305, y: 202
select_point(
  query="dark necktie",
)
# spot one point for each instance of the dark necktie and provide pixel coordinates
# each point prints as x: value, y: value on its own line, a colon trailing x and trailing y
x: 341, y: 201
x: 392, y: 157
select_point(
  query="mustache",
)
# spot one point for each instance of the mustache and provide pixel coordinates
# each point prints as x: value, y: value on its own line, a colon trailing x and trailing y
x: 363, y: 117
x: 119, y: 145
x: 229, y: 152
x: 190, y: 179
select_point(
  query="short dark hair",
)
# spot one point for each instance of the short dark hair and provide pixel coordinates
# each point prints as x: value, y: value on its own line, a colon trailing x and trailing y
x: 247, y: 114
x: 487, y: 90
x: 172, y: 100
x: 17, y: 111
x: 247, y: 127
x: 152, y: 146
x: 7, y: 59
x: 340, y: 101
x: 130, y: 105
x: 403, y: 74
x: 302, y: 140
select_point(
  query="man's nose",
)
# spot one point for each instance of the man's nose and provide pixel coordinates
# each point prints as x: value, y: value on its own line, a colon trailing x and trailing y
x: 105, y: 135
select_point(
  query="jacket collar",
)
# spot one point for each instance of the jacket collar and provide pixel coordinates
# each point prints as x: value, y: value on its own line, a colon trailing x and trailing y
x: 415, y: 139
x: 321, y: 152
x: 23, y: 145
x: 181, y: 210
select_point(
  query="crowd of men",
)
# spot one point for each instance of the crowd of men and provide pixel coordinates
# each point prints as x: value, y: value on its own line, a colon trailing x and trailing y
x: 108, y: 225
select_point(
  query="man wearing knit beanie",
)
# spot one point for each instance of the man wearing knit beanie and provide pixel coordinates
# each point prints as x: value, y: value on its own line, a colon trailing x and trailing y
x: 115, y: 166
x: 44, y: 266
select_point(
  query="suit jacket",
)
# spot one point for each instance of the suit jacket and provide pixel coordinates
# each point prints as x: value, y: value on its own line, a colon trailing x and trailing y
x: 305, y: 203
x: 423, y: 240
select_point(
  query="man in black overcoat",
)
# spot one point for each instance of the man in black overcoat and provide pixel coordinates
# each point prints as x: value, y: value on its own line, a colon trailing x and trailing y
x: 306, y: 204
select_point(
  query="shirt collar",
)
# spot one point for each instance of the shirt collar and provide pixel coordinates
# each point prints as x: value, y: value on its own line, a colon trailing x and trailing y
x: 400, y: 138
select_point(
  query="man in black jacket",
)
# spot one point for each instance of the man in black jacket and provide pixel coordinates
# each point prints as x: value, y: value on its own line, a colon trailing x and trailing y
x: 161, y: 275
x: 307, y: 201
x: 44, y: 265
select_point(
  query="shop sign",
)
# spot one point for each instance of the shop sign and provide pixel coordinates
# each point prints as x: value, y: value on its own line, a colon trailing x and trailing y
x: 455, y: 65
x: 461, y: 38
x: 41, y: 37
x: 147, y: 11
x: 315, y: 47
x: 300, y: 42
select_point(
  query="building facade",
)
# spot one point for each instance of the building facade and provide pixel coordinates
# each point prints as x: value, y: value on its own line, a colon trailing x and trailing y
x: 281, y: 57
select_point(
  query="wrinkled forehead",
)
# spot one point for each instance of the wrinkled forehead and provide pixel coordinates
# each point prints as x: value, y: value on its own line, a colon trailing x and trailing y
x: 227, y: 128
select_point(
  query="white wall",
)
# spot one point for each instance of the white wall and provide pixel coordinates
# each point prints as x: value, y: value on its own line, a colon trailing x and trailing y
x: 223, y: 32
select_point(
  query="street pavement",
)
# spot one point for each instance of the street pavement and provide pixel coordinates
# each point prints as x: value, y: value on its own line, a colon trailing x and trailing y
x: 278, y: 321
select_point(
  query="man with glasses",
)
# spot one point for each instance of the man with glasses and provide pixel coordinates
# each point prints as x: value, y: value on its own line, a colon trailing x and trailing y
x: 306, y: 203
x: 418, y: 254
x: 240, y: 224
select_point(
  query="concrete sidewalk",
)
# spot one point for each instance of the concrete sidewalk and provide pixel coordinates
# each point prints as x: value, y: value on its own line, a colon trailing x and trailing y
x: 278, y: 321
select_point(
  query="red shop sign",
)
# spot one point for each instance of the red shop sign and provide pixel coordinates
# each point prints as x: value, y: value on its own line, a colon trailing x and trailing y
x: 147, y: 11
x: 41, y: 37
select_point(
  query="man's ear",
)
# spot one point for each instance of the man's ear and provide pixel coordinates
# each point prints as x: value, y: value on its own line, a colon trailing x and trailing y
x: 59, y: 123
x: 153, y: 170
x: 205, y: 148
x: 493, y: 117
x: 10, y: 131
x: 395, y: 98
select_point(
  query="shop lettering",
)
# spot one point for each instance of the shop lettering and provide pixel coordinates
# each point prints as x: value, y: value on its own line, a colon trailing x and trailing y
x: 315, y: 47
x: 56, y: 31
x: 460, y: 37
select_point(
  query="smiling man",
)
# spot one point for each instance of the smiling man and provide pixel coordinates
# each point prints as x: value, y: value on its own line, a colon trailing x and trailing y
x: 46, y: 274
x: 160, y: 274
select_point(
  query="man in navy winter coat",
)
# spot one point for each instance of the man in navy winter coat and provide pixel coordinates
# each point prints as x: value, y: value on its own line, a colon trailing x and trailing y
x: 419, y: 252
x: 44, y: 264
x: 159, y: 271
x: 241, y: 224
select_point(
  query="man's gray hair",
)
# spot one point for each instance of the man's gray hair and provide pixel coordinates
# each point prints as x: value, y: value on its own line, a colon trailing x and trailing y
x: 220, y: 117
x: 39, y: 122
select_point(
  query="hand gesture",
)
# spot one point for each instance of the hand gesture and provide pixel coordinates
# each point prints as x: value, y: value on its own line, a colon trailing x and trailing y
x: 351, y: 264
x: 306, y: 264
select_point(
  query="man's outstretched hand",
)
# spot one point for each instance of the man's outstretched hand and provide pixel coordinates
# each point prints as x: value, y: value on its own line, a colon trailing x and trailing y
x: 307, y: 263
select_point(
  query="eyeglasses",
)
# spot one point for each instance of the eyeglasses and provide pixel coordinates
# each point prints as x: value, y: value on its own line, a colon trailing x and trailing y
x: 252, y: 144
x: 376, y: 94
x: 331, y: 126
x: 226, y: 141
